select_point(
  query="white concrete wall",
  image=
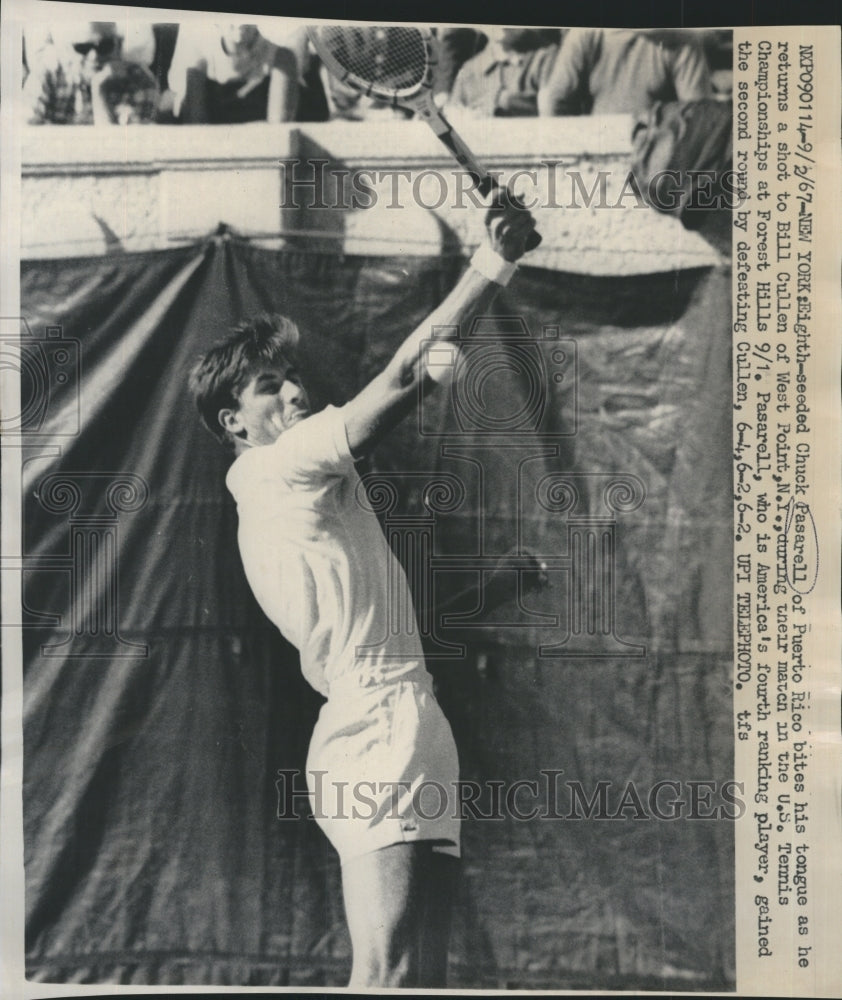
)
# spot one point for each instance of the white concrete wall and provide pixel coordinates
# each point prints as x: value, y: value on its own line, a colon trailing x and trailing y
x: 92, y: 191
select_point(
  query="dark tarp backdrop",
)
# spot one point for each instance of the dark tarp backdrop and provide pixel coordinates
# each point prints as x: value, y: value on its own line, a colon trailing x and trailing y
x: 160, y: 704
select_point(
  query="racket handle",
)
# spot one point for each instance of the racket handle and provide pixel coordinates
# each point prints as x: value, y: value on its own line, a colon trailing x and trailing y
x: 482, y: 178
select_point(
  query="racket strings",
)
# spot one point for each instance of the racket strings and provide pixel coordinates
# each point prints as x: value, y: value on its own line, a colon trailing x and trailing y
x: 390, y: 60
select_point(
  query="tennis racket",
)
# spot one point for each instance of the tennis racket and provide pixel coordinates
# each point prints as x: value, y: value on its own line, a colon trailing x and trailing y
x: 395, y: 64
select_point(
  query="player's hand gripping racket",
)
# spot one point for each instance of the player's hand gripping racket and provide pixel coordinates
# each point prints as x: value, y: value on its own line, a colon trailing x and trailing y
x: 395, y: 64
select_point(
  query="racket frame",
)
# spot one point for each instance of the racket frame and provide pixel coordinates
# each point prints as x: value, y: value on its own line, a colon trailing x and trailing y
x: 419, y: 99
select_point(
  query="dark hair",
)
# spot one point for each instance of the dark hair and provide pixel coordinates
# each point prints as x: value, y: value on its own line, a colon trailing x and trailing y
x: 222, y: 372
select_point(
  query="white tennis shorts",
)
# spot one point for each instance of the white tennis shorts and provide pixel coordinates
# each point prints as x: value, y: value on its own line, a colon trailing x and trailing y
x: 382, y: 767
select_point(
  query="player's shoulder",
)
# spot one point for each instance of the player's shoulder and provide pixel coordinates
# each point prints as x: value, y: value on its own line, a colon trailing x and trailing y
x: 283, y: 459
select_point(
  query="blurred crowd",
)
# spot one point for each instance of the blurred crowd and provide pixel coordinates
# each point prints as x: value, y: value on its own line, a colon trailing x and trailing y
x: 202, y: 73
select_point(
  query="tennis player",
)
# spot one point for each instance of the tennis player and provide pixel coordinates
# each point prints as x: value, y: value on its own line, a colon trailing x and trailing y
x: 319, y: 566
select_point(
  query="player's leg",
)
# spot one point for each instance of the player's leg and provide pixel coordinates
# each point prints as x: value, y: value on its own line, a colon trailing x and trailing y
x: 391, y: 898
x: 383, y: 892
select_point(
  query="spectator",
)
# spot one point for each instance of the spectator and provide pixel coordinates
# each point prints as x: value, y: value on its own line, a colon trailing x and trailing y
x: 455, y: 47
x: 164, y: 37
x: 312, y: 102
x: 620, y: 71
x: 225, y: 74
x: 719, y: 54
x: 86, y: 81
x: 506, y: 77
x: 347, y: 103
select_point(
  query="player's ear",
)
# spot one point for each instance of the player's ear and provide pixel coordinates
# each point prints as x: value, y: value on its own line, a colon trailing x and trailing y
x: 230, y: 421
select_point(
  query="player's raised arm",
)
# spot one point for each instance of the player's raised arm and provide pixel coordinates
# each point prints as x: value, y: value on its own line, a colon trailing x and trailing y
x: 391, y: 394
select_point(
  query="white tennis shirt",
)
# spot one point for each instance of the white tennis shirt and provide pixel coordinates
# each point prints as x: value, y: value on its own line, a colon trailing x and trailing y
x: 317, y: 560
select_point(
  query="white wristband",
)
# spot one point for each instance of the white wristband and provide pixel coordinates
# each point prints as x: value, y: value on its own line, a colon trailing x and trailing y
x: 492, y: 266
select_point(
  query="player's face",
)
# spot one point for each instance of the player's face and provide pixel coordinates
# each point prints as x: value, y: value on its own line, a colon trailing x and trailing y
x: 271, y: 402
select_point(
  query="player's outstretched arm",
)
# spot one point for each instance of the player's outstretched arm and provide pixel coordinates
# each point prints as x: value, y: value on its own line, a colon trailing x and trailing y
x: 391, y: 394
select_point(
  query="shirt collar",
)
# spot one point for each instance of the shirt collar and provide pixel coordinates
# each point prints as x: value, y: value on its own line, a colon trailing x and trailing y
x: 496, y: 55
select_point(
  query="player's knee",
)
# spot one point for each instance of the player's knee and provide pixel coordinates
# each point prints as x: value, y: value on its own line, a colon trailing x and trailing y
x: 387, y: 958
x: 377, y: 970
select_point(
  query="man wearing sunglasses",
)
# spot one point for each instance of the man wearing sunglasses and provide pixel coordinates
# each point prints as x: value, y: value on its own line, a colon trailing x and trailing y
x: 86, y: 81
